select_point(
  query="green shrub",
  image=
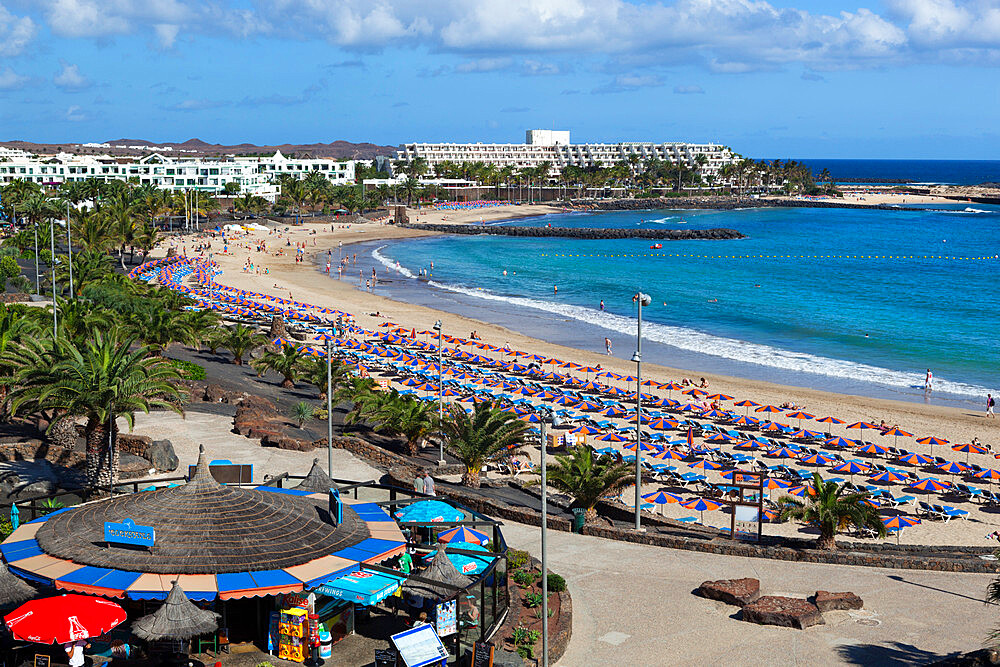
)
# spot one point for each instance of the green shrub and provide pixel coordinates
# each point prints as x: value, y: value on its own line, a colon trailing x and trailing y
x: 556, y: 583
x: 517, y: 559
x: 5, y: 527
x: 525, y: 637
x: 523, y: 578
x: 50, y: 505
x: 188, y: 369
x: 532, y: 600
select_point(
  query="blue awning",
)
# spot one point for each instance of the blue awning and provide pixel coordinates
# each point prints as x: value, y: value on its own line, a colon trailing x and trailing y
x: 13, y: 551
x: 363, y: 587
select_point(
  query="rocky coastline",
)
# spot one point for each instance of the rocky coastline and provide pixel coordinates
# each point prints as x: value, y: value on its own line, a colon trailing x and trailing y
x: 716, y: 234
x: 714, y: 202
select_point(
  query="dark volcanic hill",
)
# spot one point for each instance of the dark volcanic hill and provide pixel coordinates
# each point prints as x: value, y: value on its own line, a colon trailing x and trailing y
x: 335, y: 149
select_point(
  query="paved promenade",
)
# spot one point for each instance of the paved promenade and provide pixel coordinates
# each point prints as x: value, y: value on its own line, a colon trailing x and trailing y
x: 633, y: 605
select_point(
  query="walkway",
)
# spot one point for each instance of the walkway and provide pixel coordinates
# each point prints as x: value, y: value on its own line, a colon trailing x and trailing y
x: 633, y: 604
x: 215, y: 432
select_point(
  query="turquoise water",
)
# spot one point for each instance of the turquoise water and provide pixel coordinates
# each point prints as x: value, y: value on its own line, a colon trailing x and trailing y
x: 867, y: 326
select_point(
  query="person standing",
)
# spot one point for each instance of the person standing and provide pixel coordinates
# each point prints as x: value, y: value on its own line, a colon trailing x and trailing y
x: 74, y: 651
x: 607, y: 345
x: 602, y: 305
x: 429, y: 484
x: 929, y: 381
x: 990, y: 404
x: 418, y: 481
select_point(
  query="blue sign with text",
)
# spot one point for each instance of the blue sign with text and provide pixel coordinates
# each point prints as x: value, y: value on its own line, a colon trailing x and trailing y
x: 127, y: 532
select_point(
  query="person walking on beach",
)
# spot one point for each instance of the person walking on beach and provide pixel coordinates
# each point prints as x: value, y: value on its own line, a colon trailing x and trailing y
x: 418, y: 481
x: 607, y: 345
x: 990, y: 404
x: 429, y: 484
x: 929, y: 381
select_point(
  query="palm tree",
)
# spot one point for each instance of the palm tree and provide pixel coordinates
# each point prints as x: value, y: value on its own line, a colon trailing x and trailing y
x: 239, y: 340
x: 288, y: 363
x: 588, y: 478
x: 315, y: 374
x: 78, y: 318
x: 98, y: 379
x: 146, y: 238
x: 831, y: 507
x: 88, y: 266
x: 482, y: 436
x: 404, y: 416
x: 301, y: 412
x: 158, y: 328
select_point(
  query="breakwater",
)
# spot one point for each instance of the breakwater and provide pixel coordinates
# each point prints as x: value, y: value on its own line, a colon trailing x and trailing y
x: 717, y: 234
x: 723, y: 204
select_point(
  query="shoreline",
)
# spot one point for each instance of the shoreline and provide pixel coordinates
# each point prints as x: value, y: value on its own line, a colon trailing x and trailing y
x: 286, y: 276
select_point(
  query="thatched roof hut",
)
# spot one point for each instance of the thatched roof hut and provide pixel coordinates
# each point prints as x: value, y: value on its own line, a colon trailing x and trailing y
x: 317, y: 481
x: 177, y: 618
x: 13, y: 590
x: 440, y: 570
x: 204, y: 527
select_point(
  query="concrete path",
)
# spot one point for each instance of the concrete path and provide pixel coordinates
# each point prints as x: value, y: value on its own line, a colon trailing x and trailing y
x: 215, y: 432
x: 633, y: 605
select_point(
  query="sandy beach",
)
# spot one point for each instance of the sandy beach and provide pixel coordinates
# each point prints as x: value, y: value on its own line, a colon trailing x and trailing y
x: 303, y: 282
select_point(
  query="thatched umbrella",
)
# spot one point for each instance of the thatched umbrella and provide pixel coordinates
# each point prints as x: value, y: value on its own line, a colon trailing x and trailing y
x: 441, y: 570
x: 317, y: 481
x: 13, y: 589
x: 177, y: 618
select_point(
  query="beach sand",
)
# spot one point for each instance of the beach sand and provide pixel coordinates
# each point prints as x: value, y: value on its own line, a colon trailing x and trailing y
x: 304, y: 283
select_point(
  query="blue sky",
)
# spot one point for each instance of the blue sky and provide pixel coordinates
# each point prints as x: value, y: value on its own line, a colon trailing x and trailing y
x: 800, y: 78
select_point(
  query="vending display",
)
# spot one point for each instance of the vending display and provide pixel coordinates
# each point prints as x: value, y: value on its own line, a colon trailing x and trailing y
x: 293, y: 635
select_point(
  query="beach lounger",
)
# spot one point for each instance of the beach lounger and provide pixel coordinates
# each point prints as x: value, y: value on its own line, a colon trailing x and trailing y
x: 950, y: 512
x: 688, y: 519
x: 927, y: 510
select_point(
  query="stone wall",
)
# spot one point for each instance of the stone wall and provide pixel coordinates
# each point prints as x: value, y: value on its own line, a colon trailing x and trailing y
x: 33, y: 449
x: 583, y: 232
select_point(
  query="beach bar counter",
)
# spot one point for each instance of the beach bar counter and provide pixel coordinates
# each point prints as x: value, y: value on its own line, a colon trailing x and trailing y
x: 291, y: 570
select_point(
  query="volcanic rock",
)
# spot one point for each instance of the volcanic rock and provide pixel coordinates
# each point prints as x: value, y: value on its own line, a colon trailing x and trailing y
x: 827, y: 601
x: 782, y: 611
x: 738, y: 592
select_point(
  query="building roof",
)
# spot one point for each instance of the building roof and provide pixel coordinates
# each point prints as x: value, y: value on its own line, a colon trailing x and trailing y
x: 177, y: 618
x: 204, y: 527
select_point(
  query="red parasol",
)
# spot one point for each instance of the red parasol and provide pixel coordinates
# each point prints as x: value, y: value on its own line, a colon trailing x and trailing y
x: 63, y: 619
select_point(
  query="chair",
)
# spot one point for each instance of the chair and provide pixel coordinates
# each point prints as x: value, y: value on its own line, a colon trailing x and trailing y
x: 930, y: 512
x: 950, y: 512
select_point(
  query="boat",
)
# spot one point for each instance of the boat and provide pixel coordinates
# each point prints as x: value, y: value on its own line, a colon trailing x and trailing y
x: 656, y: 246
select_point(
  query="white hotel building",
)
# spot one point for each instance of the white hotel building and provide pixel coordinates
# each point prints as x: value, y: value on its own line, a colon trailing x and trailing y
x: 554, y: 146
x: 255, y: 175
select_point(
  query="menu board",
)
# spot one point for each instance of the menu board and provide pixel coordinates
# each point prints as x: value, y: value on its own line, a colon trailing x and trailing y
x: 420, y: 646
x: 482, y: 654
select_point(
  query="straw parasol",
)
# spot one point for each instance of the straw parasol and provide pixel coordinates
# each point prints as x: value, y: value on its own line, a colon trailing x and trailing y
x: 440, y: 570
x: 177, y: 618
x: 317, y: 481
x: 203, y: 527
x: 13, y: 590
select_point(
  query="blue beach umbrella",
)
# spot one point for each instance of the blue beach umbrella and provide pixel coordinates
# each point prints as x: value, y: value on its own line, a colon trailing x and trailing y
x: 700, y: 505
x: 428, y: 511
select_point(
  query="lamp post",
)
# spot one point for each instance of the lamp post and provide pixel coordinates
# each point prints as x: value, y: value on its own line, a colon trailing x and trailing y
x: 546, y: 417
x: 69, y: 250
x: 641, y: 300
x: 52, y: 264
x: 329, y: 406
x: 437, y: 327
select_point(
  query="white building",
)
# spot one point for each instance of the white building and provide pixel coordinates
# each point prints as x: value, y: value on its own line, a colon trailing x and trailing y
x: 554, y: 146
x: 255, y: 175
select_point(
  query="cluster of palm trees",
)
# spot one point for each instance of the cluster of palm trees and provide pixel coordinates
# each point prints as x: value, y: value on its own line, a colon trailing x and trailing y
x: 104, y: 216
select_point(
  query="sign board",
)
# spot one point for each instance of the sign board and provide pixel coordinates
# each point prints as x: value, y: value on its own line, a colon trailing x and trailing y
x: 446, y: 618
x: 336, y: 507
x: 42, y: 660
x: 228, y: 473
x: 420, y: 646
x: 386, y: 657
x: 749, y: 478
x: 127, y: 532
x: 482, y: 654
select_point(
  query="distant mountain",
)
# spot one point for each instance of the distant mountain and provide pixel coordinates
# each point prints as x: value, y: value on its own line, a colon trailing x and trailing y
x: 335, y: 149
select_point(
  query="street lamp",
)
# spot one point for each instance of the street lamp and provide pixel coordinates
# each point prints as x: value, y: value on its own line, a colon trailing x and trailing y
x: 547, y: 417
x: 641, y: 300
x: 437, y: 327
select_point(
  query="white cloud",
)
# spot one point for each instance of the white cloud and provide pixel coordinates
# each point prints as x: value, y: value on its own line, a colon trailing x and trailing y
x: 689, y: 90
x: 69, y: 78
x: 9, y: 79
x: 484, y: 65
x: 721, y: 35
x: 15, y: 32
x: 625, y: 82
x: 75, y: 115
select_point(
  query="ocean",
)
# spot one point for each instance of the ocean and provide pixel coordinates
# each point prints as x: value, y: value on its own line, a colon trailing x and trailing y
x: 845, y: 300
x: 956, y: 172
